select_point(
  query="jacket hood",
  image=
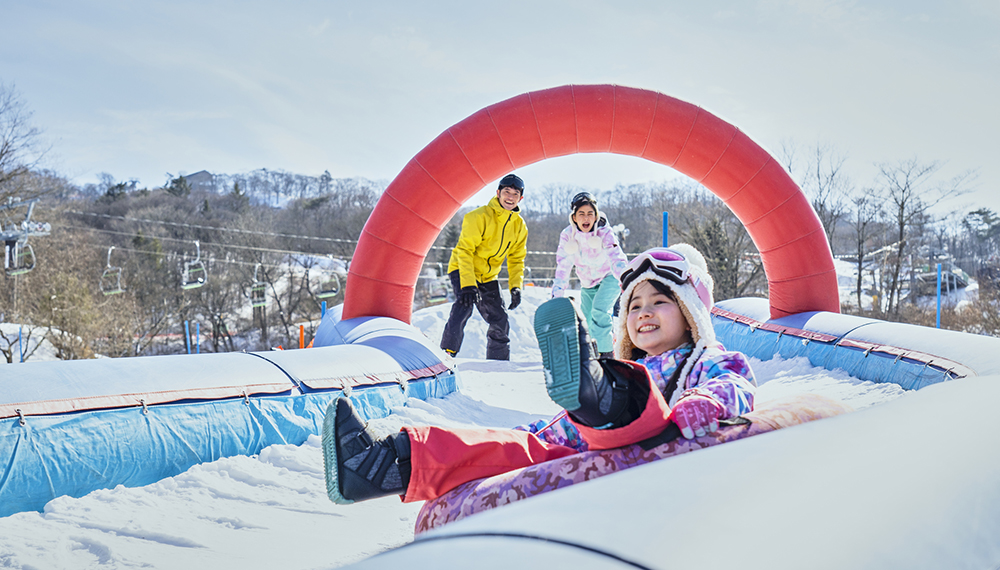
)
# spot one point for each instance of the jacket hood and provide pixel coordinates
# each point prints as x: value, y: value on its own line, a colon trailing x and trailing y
x: 695, y: 298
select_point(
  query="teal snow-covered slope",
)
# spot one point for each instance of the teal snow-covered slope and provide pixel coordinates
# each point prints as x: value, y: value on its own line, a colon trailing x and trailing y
x: 68, y: 428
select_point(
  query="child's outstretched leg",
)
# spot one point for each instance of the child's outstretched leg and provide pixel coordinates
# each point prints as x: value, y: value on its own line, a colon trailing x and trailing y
x: 359, y: 467
x: 595, y: 393
x: 421, y: 462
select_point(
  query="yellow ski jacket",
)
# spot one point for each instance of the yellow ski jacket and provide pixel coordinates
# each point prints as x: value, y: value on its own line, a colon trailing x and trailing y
x: 489, y: 235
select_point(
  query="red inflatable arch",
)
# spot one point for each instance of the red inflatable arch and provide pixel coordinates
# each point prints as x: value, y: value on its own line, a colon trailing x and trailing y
x: 590, y: 118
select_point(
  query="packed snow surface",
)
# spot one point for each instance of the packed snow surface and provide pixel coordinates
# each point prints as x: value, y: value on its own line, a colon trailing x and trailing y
x: 271, y: 511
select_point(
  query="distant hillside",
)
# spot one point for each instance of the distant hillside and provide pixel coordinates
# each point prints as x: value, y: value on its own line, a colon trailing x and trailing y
x: 277, y: 187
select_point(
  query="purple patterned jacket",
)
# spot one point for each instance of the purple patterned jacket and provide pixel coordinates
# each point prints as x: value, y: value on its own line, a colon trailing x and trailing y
x: 720, y: 374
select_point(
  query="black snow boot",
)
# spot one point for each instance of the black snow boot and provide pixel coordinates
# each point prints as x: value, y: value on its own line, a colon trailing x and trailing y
x: 358, y: 466
x: 595, y: 392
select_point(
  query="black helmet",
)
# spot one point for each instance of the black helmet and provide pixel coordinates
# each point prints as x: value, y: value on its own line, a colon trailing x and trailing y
x: 581, y: 199
x: 512, y: 181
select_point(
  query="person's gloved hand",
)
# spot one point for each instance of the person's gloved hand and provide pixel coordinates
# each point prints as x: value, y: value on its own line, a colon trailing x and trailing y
x: 697, y: 415
x: 515, y: 298
x: 469, y: 296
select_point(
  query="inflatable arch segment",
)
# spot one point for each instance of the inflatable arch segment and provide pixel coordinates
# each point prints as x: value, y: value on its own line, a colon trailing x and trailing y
x: 588, y: 119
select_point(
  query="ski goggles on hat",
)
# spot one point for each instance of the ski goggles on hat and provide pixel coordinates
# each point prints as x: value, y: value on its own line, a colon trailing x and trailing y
x: 664, y: 262
x: 581, y: 199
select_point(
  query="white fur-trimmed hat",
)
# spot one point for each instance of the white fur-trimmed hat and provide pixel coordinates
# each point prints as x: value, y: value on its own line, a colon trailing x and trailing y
x: 694, y: 296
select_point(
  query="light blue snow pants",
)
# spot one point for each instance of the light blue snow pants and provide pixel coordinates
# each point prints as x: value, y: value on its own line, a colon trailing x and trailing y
x: 596, y: 304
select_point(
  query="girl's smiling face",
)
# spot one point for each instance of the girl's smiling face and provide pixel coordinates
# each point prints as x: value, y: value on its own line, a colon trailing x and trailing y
x: 655, y: 322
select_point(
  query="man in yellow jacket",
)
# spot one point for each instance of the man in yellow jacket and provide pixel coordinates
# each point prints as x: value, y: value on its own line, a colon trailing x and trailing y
x: 490, y: 234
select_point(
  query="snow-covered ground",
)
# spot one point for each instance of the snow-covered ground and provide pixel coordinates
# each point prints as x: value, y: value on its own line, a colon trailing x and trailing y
x: 271, y: 511
x: 847, y: 275
x: 27, y: 341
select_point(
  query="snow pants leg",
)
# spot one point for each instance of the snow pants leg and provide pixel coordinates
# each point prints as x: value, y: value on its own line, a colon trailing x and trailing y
x: 454, y: 329
x: 596, y: 304
x: 442, y: 459
x: 491, y: 307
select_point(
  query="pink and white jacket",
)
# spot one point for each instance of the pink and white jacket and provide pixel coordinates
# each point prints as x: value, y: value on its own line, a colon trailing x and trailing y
x: 595, y: 254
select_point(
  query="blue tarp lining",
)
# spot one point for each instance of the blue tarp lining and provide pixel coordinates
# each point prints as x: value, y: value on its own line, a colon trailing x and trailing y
x: 75, y: 454
x: 866, y: 362
x: 910, y: 346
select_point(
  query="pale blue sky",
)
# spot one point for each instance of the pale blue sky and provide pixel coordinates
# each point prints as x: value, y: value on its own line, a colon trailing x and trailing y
x: 140, y: 89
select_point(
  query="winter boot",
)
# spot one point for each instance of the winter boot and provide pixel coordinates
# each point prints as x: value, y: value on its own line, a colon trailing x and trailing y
x: 596, y: 393
x: 358, y: 466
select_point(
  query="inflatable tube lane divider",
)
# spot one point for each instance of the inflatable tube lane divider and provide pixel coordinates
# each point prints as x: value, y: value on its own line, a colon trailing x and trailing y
x: 491, y: 492
x: 76, y: 453
x: 872, y: 361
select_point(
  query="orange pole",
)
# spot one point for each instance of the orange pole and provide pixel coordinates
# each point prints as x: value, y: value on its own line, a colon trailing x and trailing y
x: 302, y: 336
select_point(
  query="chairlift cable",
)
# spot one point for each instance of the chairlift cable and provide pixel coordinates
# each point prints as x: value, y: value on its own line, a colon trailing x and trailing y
x: 253, y: 232
x: 201, y: 227
x: 247, y: 247
x: 212, y: 260
x: 213, y: 244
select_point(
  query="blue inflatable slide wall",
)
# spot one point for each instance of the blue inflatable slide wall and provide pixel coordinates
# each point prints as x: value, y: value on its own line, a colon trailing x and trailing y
x: 71, y: 427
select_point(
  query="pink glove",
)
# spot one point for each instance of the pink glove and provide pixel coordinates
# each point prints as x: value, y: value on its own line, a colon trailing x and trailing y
x: 697, y: 415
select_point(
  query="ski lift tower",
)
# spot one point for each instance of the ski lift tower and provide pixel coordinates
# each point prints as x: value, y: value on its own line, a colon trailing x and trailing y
x: 18, y: 255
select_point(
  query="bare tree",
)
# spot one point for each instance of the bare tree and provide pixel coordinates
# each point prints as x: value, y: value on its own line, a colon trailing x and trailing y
x: 867, y: 208
x: 823, y: 179
x: 910, y: 192
x: 20, y: 148
x: 17, y: 346
x: 727, y: 247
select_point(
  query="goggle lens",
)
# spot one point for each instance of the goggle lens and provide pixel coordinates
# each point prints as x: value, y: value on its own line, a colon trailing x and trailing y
x: 664, y: 262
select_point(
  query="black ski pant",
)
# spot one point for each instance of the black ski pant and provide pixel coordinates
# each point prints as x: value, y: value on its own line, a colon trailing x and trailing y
x: 491, y: 307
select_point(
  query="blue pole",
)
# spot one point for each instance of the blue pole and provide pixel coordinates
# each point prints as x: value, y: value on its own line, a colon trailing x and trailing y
x: 666, y: 230
x: 938, y: 325
x: 197, y: 337
x: 322, y: 309
x: 20, y: 343
x: 187, y: 337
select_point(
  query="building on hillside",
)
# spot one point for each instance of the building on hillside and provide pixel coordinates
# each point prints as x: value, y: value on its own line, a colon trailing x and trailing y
x: 201, y: 180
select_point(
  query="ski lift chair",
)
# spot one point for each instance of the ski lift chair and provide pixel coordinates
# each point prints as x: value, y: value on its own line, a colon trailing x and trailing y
x: 258, y: 290
x: 111, y: 278
x: 194, y: 275
x: 329, y: 285
x: 439, y: 287
x: 19, y: 258
x: 438, y: 292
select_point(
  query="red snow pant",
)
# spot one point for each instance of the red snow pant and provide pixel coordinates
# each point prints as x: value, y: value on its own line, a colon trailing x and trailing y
x: 442, y: 459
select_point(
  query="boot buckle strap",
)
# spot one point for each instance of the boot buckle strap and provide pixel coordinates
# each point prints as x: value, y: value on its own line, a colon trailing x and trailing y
x: 364, y: 439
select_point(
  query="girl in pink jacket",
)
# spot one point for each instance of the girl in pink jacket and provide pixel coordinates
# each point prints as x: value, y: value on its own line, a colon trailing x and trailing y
x: 590, y: 245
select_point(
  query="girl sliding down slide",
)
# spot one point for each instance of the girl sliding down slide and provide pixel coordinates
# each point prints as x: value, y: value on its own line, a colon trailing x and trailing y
x: 682, y: 376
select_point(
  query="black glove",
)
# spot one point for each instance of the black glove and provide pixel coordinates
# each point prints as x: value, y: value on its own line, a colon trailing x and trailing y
x: 515, y: 298
x: 469, y: 296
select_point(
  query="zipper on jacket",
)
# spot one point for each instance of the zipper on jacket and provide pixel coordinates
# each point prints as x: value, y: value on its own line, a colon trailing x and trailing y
x: 489, y: 262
